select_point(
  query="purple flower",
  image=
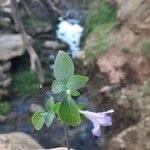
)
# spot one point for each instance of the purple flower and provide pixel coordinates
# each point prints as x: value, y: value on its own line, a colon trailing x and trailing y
x: 98, y: 119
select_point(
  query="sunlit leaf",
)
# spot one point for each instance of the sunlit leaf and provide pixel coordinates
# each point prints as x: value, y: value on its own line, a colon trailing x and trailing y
x: 58, y: 86
x: 63, y: 66
x: 75, y: 93
x: 49, y: 116
x: 76, y: 82
x: 68, y: 112
x: 38, y: 120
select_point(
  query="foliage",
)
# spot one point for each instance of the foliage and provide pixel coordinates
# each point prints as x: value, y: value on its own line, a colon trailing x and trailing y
x: 25, y: 83
x: 38, y: 45
x: 99, y: 41
x: 125, y: 50
x: 101, y: 13
x: 100, y: 24
x: 5, y: 108
x: 146, y: 49
x: 147, y: 88
x: 34, y: 22
x: 66, y: 84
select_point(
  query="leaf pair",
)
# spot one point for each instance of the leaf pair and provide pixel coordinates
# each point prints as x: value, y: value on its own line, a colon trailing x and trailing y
x: 64, y: 74
x: 74, y: 83
x: 41, y: 118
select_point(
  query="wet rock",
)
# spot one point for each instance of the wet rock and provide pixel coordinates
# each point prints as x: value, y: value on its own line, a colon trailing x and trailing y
x: 54, y: 45
x: 134, y: 138
x: 36, y: 108
x: 18, y: 141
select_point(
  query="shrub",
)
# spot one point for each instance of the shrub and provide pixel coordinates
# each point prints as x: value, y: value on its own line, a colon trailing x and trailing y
x: 25, y: 83
x: 102, y: 13
x: 146, y: 49
x: 5, y: 108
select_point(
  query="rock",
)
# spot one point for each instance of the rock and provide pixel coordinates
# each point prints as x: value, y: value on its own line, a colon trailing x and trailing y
x: 33, y: 31
x: 135, y: 13
x: 2, y: 118
x: 18, y: 141
x: 6, y: 2
x: 11, y: 46
x: 36, y: 108
x: 106, y: 89
x: 3, y: 93
x: 81, y: 55
x: 134, y: 138
x: 111, y: 63
x: 5, y: 21
x: 58, y: 148
x: 54, y: 45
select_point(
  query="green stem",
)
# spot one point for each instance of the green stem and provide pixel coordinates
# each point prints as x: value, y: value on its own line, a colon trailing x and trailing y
x: 65, y: 127
x: 66, y: 136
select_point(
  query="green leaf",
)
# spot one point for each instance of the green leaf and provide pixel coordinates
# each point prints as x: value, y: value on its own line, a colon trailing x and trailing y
x: 75, y: 93
x: 58, y: 86
x: 56, y: 108
x: 68, y: 112
x: 76, y: 82
x: 38, y: 120
x: 49, y: 116
x: 81, y: 106
x: 63, y: 66
x: 49, y: 104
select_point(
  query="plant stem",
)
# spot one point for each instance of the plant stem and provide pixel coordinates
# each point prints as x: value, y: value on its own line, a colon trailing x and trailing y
x: 65, y: 127
x: 66, y: 136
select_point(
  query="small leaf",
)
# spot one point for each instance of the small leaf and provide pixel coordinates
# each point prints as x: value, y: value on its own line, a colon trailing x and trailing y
x: 76, y: 82
x: 63, y: 66
x: 38, y: 120
x: 75, y: 93
x: 81, y: 106
x: 58, y: 86
x: 49, y: 104
x: 68, y: 112
x: 49, y: 116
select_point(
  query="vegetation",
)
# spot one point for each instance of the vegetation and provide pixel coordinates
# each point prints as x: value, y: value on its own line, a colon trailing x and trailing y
x: 125, y: 50
x: 102, y: 13
x: 99, y: 26
x: 5, y: 108
x: 146, y: 49
x: 147, y: 87
x: 99, y: 41
x: 38, y: 45
x: 34, y: 22
x: 25, y: 83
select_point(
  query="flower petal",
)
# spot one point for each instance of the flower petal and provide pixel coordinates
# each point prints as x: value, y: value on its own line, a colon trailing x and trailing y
x: 96, y: 130
x: 104, y: 119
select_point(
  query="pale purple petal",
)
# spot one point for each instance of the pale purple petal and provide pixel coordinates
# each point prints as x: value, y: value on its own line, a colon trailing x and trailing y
x: 98, y: 119
x: 104, y: 119
x: 96, y: 130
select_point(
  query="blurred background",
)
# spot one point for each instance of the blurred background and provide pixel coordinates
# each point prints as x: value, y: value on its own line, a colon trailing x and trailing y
x: 108, y: 40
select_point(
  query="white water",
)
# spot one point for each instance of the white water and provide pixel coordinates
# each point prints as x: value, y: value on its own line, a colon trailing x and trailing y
x: 70, y: 32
